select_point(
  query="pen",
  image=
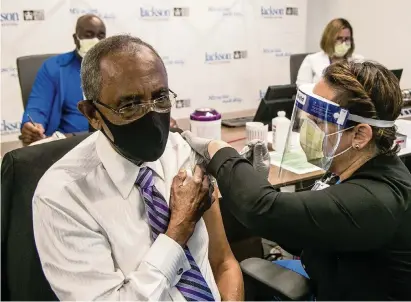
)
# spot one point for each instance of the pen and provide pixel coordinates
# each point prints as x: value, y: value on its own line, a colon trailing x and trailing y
x: 31, y: 120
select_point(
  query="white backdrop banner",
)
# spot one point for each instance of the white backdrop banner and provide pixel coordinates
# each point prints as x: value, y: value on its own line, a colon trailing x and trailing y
x: 218, y: 53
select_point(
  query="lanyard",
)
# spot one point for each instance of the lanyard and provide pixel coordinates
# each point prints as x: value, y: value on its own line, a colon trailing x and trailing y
x: 323, y: 183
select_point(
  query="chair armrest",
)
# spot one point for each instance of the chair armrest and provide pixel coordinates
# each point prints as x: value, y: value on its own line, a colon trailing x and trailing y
x: 281, y: 280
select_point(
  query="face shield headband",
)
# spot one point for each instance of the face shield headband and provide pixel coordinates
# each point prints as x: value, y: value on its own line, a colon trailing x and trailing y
x: 330, y: 112
x: 317, y: 126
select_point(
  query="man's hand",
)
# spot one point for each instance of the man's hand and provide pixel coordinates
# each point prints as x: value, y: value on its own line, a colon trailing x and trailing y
x: 31, y: 133
x: 188, y: 201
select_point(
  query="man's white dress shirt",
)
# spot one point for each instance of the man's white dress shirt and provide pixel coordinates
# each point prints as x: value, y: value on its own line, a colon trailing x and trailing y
x: 92, y: 232
x: 313, y: 65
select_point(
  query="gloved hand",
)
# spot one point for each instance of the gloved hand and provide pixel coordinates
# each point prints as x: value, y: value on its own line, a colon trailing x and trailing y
x: 257, y: 153
x: 198, y: 144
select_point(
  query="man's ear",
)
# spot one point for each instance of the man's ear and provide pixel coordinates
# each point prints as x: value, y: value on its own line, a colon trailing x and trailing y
x: 362, y: 136
x: 76, y: 42
x: 88, y: 110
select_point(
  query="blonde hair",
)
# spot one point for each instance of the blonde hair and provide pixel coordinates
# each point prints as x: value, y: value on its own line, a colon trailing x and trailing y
x: 370, y: 90
x: 330, y: 35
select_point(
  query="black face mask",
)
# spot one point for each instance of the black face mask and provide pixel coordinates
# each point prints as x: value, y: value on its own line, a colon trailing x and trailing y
x: 142, y: 140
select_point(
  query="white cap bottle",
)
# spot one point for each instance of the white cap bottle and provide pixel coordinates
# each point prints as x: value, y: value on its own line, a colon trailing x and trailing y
x: 280, y: 126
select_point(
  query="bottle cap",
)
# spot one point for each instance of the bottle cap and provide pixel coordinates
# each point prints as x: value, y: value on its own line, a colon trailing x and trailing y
x: 205, y: 115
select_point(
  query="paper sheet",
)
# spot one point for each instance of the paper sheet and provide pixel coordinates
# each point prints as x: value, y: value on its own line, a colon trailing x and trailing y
x: 294, y: 161
x: 55, y: 137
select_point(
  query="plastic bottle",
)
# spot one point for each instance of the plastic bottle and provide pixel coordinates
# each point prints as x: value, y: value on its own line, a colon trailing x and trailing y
x: 281, y: 125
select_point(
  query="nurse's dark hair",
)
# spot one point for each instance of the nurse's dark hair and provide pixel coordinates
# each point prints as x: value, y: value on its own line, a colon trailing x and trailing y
x: 330, y: 35
x: 91, y: 80
x: 368, y: 89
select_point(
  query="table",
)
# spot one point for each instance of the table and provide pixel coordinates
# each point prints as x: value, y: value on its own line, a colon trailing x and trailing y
x: 10, y: 146
x: 13, y: 145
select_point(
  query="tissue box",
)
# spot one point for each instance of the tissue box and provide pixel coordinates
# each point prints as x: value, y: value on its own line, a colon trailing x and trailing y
x: 401, y: 140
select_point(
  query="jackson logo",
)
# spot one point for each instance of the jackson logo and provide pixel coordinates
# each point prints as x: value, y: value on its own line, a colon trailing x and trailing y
x: 33, y: 15
x: 225, y: 57
x: 155, y: 13
x: 278, y: 12
x: 10, y: 127
x: 183, y: 103
x: 272, y: 12
x: 181, y: 11
x: 8, y: 19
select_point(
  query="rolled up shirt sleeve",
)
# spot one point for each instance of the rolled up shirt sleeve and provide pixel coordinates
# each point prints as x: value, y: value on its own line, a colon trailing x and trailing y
x: 78, y: 263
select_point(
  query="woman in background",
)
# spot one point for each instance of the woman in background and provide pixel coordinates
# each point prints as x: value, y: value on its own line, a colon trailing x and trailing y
x: 337, y: 43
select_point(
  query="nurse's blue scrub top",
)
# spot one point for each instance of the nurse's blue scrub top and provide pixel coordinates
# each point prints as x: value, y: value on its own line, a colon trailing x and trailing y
x: 55, y: 94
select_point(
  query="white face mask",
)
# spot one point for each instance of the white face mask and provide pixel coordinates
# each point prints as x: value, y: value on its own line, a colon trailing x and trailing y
x: 312, y: 141
x: 341, y: 49
x: 86, y: 45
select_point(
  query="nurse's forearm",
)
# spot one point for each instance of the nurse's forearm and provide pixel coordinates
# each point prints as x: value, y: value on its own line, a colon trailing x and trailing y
x: 215, y: 146
x: 236, y: 175
x: 240, y: 185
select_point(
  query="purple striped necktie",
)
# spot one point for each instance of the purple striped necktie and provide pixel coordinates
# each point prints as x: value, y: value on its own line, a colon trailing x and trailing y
x: 192, y: 284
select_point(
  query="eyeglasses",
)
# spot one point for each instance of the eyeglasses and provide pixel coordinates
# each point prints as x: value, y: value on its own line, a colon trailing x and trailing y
x: 136, y: 110
x: 343, y: 39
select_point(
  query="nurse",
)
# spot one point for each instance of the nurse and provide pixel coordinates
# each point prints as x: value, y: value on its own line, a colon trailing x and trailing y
x: 352, y: 230
x: 337, y: 43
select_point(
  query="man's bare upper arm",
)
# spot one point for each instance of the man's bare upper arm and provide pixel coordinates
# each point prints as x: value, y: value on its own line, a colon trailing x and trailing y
x: 219, y: 249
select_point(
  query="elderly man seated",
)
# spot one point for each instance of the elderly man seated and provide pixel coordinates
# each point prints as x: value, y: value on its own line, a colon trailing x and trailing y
x: 109, y: 222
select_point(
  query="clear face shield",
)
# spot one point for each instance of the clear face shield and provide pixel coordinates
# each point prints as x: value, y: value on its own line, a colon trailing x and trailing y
x: 315, y: 133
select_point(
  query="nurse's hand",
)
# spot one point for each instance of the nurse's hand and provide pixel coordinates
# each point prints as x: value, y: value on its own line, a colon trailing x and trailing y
x: 205, y: 147
x: 257, y: 153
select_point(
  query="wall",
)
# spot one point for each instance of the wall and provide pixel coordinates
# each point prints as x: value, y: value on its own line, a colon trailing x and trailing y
x: 218, y: 53
x: 317, y: 18
x: 382, y: 29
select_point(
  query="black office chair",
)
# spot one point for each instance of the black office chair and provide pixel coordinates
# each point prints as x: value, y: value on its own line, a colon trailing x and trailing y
x: 295, y: 62
x: 22, y: 277
x: 27, y: 68
x: 265, y: 281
